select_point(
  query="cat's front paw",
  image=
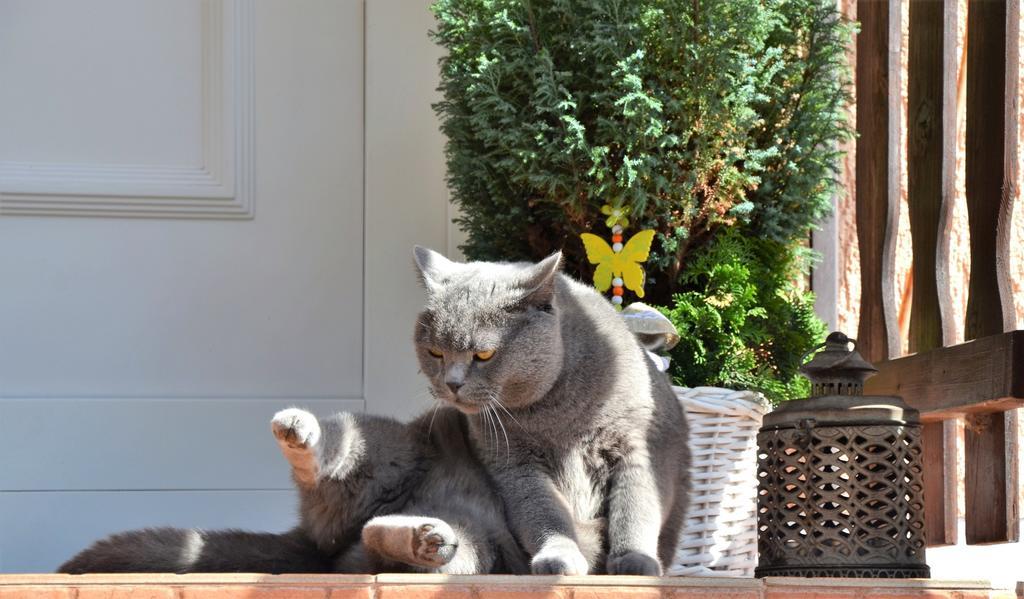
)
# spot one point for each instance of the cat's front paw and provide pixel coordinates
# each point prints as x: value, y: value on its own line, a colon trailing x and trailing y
x: 296, y: 428
x: 634, y: 563
x: 562, y: 558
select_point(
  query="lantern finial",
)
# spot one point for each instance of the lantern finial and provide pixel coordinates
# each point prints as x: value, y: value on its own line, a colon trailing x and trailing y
x: 837, y: 369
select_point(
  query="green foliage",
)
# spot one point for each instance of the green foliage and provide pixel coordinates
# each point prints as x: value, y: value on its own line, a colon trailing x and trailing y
x: 700, y: 116
x: 695, y: 114
x: 743, y: 323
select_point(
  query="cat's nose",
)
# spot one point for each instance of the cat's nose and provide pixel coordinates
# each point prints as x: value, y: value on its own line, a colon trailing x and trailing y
x: 455, y: 376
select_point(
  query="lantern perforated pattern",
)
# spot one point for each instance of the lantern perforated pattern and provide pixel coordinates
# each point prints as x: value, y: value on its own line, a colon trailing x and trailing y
x: 841, y: 501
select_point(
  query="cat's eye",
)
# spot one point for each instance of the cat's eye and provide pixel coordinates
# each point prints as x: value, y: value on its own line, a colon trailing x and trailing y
x: 435, y: 353
x: 483, y: 356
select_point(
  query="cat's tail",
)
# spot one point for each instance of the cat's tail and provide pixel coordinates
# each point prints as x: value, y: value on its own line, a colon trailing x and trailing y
x: 182, y: 550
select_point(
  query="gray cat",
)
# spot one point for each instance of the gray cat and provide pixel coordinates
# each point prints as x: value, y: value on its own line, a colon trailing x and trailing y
x: 365, y: 483
x: 595, y: 438
x: 562, y: 434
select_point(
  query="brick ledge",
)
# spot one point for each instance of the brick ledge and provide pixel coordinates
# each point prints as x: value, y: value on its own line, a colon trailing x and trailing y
x: 434, y: 586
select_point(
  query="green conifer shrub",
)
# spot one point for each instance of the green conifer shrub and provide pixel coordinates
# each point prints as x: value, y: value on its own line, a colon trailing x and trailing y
x: 708, y: 119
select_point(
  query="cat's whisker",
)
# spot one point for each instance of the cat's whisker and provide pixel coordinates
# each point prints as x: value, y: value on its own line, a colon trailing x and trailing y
x: 508, y: 446
x: 484, y: 437
x: 494, y: 397
x: 485, y: 429
x: 506, y: 410
x: 490, y: 419
x: 430, y: 426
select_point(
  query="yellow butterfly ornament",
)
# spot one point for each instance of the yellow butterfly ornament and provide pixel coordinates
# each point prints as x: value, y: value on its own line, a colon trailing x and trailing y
x: 624, y: 263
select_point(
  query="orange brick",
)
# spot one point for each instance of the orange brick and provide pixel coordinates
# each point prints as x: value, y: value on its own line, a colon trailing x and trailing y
x: 365, y: 592
x: 589, y: 592
x: 34, y: 592
x: 795, y: 592
x: 913, y: 593
x: 126, y: 592
x: 500, y: 591
x: 238, y: 591
x: 424, y: 591
x: 992, y: 594
x: 717, y: 593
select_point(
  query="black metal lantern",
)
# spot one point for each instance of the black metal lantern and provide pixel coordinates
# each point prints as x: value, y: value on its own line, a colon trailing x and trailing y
x: 840, y: 489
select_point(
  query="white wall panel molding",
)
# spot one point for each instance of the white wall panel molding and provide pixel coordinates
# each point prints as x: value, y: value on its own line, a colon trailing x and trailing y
x: 220, y: 187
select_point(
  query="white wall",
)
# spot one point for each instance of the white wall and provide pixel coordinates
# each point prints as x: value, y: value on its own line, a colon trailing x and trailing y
x: 406, y: 197
x: 249, y: 249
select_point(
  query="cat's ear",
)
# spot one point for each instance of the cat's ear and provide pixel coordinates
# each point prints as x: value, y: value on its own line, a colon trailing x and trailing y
x: 540, y: 283
x: 432, y: 267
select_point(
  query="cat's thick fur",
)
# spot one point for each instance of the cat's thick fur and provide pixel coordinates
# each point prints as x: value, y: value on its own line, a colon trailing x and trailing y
x: 566, y: 451
x: 375, y: 495
x: 594, y: 431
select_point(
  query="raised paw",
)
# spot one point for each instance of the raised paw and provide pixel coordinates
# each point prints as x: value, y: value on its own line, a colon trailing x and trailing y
x: 296, y: 428
x: 434, y: 543
x: 634, y: 563
x: 561, y: 558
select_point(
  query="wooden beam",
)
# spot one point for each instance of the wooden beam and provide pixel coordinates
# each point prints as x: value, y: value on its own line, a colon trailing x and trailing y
x: 982, y: 380
x: 878, y: 156
x: 984, y: 375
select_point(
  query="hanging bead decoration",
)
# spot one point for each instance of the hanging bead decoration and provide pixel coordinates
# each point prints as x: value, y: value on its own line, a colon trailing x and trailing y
x: 618, y: 265
x: 617, y: 282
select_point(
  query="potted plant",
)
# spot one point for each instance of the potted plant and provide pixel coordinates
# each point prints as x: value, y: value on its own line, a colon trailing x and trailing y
x: 700, y: 135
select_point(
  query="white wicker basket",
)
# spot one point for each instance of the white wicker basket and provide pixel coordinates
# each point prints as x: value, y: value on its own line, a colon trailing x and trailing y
x: 720, y: 535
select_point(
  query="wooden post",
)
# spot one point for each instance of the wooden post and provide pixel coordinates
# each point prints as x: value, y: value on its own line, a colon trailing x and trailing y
x: 992, y: 478
x: 931, y: 162
x: 878, y: 158
x: 940, y: 443
x: 928, y: 95
x: 991, y: 439
x: 989, y: 168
